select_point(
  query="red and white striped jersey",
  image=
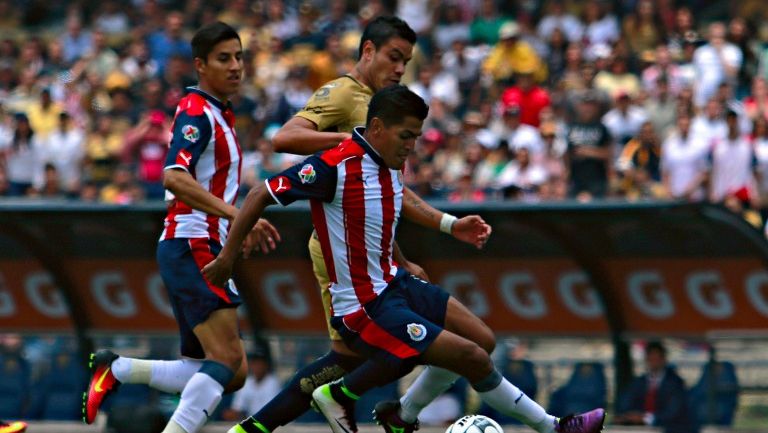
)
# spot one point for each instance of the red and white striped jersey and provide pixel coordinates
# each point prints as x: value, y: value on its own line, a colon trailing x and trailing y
x: 356, y: 201
x: 204, y: 144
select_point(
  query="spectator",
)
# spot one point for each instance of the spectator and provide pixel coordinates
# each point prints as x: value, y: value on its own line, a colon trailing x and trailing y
x: 756, y: 104
x: 709, y: 126
x: 618, y: 79
x: 44, y: 114
x: 624, y: 120
x: 465, y: 191
x: 517, y: 134
x: 64, y: 149
x: 145, y: 147
x: 558, y: 19
x: 733, y: 169
x: 487, y: 24
x: 657, y: 398
x: 337, y: 21
x: 600, y: 27
x: 76, y: 42
x: 138, y: 64
x: 589, y: 152
x: 528, y: 96
x: 512, y: 55
x: 21, y: 157
x: 715, y: 62
x: 661, y: 108
x: 281, y: 24
x: 260, y: 386
x: 663, y: 67
x: 104, y: 146
x: 643, y: 29
x: 464, y: 64
x: 302, y: 46
x: 330, y: 63
x: 50, y: 184
x: 450, y: 27
x: 170, y: 41
x: 123, y: 189
x: 684, y: 166
x: 110, y: 19
x: 522, y: 177
x: 102, y: 59
x: 640, y: 164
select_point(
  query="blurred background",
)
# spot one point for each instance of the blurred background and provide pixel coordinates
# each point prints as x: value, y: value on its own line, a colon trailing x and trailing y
x: 591, y: 264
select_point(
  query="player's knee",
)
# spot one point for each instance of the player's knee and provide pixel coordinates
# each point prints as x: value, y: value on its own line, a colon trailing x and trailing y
x: 237, y: 381
x: 231, y: 357
x: 474, y: 360
x: 486, y: 339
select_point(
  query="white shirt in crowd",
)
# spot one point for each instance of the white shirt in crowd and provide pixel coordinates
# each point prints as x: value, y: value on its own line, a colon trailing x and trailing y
x: 708, y: 131
x: 683, y: 160
x: 255, y: 395
x: 65, y: 150
x: 761, y: 155
x: 710, y: 69
x: 624, y: 126
x: 732, y: 164
x: 569, y: 24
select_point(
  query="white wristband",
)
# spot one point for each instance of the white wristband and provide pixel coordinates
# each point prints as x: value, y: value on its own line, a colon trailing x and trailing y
x: 446, y: 223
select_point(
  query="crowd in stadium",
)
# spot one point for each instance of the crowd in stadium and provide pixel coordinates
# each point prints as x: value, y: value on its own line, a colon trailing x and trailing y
x: 528, y: 100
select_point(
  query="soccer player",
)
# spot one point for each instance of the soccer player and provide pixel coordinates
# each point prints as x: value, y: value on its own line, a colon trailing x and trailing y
x: 381, y: 311
x: 202, y: 176
x: 328, y: 118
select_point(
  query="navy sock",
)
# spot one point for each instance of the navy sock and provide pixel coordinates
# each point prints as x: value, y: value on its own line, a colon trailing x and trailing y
x: 295, y: 397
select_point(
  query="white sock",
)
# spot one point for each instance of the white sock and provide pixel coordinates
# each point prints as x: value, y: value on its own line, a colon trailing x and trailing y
x: 166, y: 376
x: 509, y: 400
x: 432, y: 382
x: 198, y: 401
x: 172, y: 427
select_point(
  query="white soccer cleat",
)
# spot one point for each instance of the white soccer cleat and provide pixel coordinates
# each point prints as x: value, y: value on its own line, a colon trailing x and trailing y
x: 340, y: 417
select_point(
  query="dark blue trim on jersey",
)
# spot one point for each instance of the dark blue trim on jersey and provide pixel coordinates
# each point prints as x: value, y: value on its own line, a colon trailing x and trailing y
x: 210, y: 98
x: 357, y: 135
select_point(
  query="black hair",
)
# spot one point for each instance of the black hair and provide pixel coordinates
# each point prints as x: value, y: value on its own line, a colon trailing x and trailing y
x: 208, y: 36
x: 384, y: 28
x: 656, y: 346
x: 394, y: 103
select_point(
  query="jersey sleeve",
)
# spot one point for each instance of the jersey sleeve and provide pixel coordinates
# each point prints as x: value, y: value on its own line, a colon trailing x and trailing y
x: 327, y: 107
x: 190, y: 136
x: 312, y: 178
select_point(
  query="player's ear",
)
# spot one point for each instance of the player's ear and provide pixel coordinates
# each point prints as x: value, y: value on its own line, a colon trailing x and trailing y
x: 200, y: 65
x: 376, y: 125
x: 369, y: 49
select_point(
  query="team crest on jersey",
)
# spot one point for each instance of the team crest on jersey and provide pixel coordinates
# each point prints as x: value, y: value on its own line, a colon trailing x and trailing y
x: 307, y: 174
x: 416, y: 331
x: 191, y: 133
x: 279, y: 184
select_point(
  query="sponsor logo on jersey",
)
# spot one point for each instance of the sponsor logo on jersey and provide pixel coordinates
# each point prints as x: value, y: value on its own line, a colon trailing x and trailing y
x: 280, y: 184
x: 191, y: 133
x: 416, y: 331
x: 307, y: 174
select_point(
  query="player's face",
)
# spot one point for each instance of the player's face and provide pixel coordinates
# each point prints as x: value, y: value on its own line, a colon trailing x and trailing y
x: 222, y: 72
x: 387, y: 64
x: 395, y: 142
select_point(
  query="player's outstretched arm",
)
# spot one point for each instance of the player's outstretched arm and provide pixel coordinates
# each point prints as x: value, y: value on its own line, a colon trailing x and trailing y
x: 301, y: 137
x: 470, y: 229
x: 220, y: 269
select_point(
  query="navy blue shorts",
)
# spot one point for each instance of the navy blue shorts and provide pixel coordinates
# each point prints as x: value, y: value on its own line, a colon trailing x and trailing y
x: 401, y: 322
x: 192, y: 297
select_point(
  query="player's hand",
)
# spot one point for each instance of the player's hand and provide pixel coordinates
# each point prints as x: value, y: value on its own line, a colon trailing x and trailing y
x: 263, y: 237
x: 217, y: 272
x: 416, y: 270
x: 472, y: 230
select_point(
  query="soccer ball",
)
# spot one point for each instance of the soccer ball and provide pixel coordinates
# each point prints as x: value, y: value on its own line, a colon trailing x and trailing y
x: 474, y: 424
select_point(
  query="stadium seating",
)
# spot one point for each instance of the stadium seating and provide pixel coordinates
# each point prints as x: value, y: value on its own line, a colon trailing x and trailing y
x: 715, y: 396
x: 14, y: 386
x: 585, y: 390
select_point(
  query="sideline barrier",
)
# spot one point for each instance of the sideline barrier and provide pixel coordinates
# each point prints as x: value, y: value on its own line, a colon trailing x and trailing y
x: 601, y: 269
